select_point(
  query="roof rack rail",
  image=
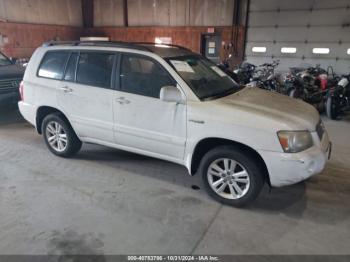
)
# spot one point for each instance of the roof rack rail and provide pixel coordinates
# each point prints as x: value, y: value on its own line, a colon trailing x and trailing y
x: 130, y: 45
x: 52, y: 43
x: 156, y: 44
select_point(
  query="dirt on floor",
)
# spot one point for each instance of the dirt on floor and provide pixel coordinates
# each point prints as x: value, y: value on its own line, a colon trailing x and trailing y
x: 106, y: 201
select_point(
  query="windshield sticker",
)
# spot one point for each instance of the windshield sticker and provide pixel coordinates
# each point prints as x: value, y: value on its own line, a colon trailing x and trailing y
x: 218, y: 71
x: 182, y: 66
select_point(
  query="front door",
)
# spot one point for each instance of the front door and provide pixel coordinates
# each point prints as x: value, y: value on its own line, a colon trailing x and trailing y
x: 142, y: 121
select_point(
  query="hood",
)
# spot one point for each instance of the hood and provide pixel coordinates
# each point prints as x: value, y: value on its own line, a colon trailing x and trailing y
x: 280, y: 111
x: 11, y: 71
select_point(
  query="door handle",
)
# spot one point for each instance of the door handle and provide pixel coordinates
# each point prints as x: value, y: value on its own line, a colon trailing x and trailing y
x: 66, y: 89
x: 121, y: 100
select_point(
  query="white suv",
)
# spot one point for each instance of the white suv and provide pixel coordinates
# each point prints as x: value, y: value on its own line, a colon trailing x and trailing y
x: 166, y: 102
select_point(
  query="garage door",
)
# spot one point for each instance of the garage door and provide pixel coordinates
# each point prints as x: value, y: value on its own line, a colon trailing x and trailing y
x: 299, y: 32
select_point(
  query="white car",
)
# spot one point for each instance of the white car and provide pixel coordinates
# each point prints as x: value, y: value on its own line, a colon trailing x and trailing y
x: 166, y: 102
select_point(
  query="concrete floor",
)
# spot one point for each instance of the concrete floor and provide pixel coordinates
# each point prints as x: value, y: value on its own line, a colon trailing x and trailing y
x: 106, y: 201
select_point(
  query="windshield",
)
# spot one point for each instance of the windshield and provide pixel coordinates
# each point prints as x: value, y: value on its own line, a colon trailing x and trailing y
x: 4, y: 60
x: 205, y: 79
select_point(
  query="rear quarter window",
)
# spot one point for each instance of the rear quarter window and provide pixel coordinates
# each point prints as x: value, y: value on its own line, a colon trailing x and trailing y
x: 52, y: 65
x: 95, y: 69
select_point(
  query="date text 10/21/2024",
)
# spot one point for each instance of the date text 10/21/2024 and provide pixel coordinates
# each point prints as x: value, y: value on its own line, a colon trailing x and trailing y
x: 173, y: 258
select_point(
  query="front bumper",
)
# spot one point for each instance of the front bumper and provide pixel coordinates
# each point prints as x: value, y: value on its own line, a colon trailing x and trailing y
x: 290, y: 168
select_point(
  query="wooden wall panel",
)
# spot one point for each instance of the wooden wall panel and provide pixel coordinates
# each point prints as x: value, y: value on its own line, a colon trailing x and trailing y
x: 57, y: 12
x: 188, y: 36
x: 23, y: 39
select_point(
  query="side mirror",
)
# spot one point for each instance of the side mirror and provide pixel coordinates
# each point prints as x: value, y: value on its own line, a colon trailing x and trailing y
x: 170, y: 94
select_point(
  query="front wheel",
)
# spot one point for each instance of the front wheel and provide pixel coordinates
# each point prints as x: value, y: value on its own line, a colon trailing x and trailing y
x: 231, y: 176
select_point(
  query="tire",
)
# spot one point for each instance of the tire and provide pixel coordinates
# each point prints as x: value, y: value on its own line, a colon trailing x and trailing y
x: 293, y: 93
x: 54, y: 128
x: 253, y: 180
x: 331, y: 108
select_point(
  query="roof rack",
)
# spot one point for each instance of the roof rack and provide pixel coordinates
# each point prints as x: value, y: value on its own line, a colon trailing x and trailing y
x: 132, y: 45
x: 156, y: 44
x: 97, y: 43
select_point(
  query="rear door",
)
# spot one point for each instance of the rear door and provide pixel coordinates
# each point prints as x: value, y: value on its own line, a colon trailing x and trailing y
x: 86, y: 95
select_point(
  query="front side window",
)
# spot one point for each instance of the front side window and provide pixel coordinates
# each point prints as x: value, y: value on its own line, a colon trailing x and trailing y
x: 4, y: 61
x: 205, y: 79
x: 95, y: 69
x: 143, y: 76
x: 53, y: 63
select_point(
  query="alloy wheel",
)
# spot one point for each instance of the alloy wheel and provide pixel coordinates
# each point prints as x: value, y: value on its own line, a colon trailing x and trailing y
x: 56, y: 136
x: 228, y: 178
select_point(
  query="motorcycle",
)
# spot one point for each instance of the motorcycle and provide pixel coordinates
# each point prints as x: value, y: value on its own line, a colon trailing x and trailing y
x: 265, y: 77
x: 309, y: 84
x: 224, y: 66
x: 338, y: 97
x: 244, y: 73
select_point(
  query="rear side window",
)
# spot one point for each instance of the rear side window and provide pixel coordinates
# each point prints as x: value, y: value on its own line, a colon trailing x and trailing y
x: 71, y: 66
x: 95, y: 69
x: 143, y: 76
x: 52, y: 65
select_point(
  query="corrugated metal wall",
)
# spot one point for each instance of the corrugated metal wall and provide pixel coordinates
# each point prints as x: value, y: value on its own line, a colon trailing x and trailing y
x: 55, y: 12
x: 108, y: 13
x: 164, y: 12
x: 304, y: 25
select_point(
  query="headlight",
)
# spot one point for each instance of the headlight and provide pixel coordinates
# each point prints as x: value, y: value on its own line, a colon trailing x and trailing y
x: 295, y: 141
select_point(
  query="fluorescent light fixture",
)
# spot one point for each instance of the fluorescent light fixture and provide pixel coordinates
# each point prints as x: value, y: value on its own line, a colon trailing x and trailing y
x: 157, y: 40
x: 259, y: 49
x: 165, y: 40
x: 94, y: 38
x: 348, y: 52
x: 288, y: 50
x: 320, y: 50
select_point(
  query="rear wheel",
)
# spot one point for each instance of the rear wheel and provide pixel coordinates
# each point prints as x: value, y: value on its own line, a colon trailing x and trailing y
x: 332, y: 108
x: 293, y: 93
x: 231, y: 176
x: 59, y: 136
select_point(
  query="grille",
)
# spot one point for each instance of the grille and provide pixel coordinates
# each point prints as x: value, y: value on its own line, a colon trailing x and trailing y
x: 9, y: 84
x: 320, y: 129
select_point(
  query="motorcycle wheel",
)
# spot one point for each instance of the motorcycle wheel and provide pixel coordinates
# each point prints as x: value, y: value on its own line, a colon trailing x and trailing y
x: 331, y: 108
x: 293, y: 93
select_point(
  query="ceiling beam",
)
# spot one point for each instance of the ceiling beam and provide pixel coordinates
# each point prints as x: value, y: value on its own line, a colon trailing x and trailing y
x: 125, y: 13
x: 88, y: 13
